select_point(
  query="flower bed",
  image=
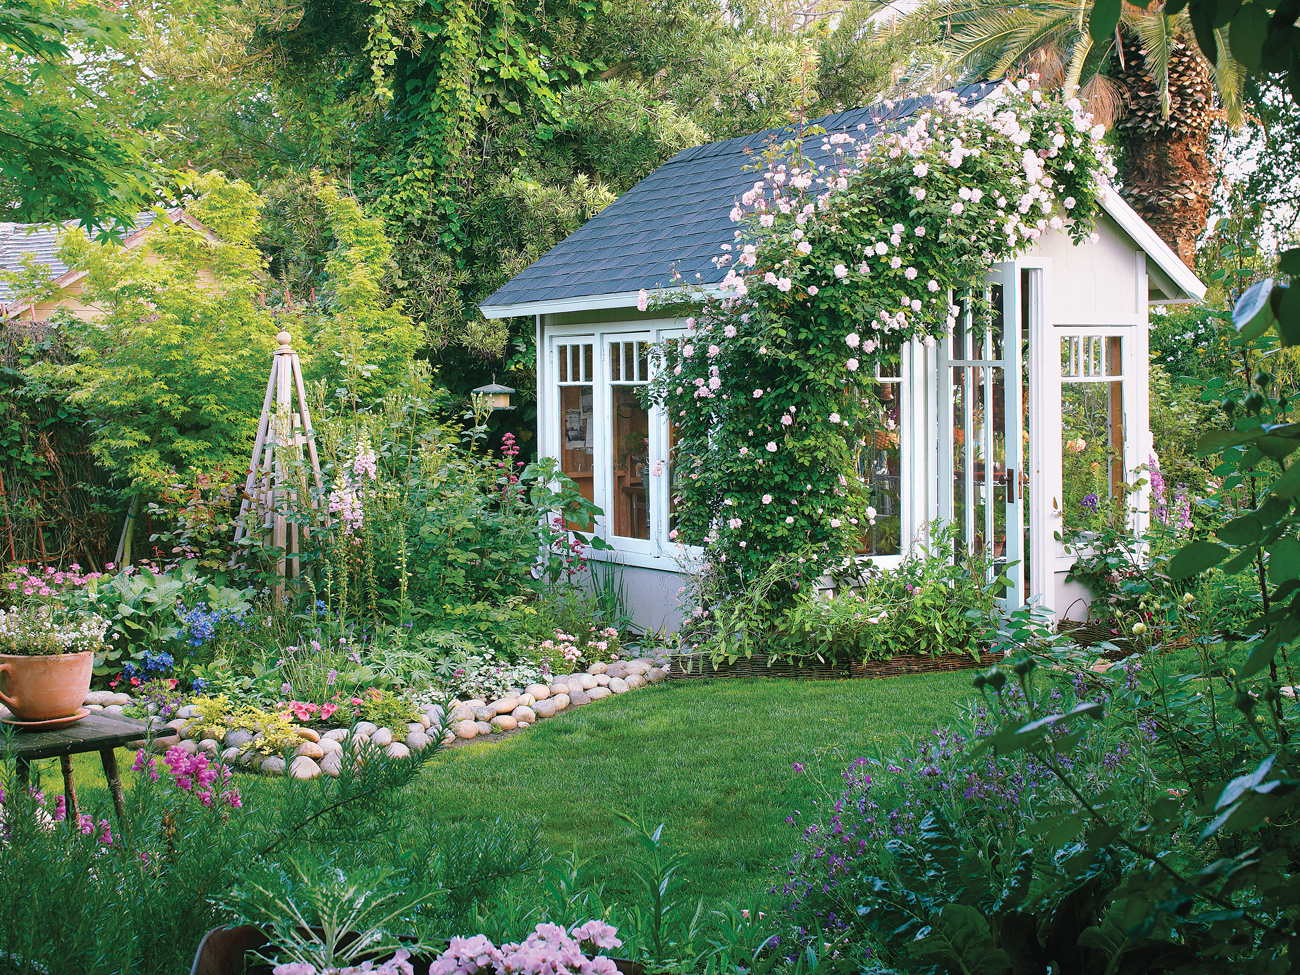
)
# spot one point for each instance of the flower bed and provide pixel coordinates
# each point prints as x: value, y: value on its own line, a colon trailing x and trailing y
x: 280, y: 741
x: 761, y: 665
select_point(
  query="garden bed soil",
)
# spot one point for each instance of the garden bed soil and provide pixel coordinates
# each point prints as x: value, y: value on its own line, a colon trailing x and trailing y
x: 761, y: 665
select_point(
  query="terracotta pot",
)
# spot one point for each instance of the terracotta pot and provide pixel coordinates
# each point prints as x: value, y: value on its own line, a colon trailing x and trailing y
x: 41, y: 688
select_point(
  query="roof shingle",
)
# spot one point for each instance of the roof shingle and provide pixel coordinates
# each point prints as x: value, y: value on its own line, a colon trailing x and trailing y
x: 678, y: 217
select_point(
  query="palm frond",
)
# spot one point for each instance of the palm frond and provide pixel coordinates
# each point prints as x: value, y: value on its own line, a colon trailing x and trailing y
x: 1230, y: 79
x: 1157, y: 34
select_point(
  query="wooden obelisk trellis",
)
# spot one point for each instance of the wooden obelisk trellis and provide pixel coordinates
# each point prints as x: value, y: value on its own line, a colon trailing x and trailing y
x: 275, y: 477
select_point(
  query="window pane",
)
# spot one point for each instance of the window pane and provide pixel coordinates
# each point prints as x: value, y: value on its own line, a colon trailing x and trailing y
x: 1092, y: 455
x: 631, y: 469
x: 576, y: 436
x: 879, y: 463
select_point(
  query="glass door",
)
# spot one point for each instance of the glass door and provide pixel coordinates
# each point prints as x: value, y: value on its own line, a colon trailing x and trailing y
x: 982, y: 475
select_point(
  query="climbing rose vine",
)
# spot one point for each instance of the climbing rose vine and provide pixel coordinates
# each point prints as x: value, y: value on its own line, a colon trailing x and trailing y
x: 834, y: 267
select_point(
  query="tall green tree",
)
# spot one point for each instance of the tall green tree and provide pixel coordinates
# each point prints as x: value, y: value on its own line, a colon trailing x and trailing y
x: 68, y: 154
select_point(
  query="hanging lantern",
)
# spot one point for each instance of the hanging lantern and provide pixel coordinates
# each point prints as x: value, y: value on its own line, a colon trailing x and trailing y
x: 498, y: 396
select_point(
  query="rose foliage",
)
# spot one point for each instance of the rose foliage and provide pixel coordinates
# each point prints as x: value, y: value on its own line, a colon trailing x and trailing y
x: 835, y: 267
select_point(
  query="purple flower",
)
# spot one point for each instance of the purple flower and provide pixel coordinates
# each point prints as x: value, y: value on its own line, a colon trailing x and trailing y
x: 1090, y: 501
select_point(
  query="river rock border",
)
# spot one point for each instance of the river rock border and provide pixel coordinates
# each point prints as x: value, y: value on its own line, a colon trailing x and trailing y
x: 522, y: 707
x: 324, y: 752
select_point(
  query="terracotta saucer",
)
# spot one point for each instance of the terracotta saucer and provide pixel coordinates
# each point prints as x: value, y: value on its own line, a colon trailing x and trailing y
x: 49, y: 724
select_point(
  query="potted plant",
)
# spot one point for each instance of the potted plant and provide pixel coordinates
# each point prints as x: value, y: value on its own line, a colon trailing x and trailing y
x: 47, y: 653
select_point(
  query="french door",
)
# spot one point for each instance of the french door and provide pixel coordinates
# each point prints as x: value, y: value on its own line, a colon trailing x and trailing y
x: 982, y: 430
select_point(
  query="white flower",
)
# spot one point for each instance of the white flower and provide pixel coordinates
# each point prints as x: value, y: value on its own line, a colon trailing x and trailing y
x: 920, y: 231
x: 1097, y: 132
x: 834, y: 418
x: 835, y: 523
x: 871, y: 514
x: 916, y: 304
x: 932, y: 285
x: 958, y: 207
x: 910, y: 274
x: 882, y: 248
x: 733, y: 523
x: 767, y: 219
x: 758, y: 393
x: 729, y: 331
x: 789, y: 520
x: 964, y: 193
x: 767, y: 499
x: 920, y: 170
x: 771, y: 446
x: 1069, y: 202
x: 920, y: 193
x: 852, y: 340
x: 895, y: 262
x: 783, y: 284
x: 804, y: 248
x: 841, y: 271
x: 642, y: 300
x: 851, y: 365
x: 812, y: 290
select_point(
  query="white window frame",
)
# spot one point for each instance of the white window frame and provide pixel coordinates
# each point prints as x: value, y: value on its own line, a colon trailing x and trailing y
x: 657, y: 552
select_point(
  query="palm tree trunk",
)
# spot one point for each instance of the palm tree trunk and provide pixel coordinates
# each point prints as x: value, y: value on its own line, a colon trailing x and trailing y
x: 1167, y: 163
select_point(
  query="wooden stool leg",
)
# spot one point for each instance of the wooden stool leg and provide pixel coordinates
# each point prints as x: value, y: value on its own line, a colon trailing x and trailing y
x: 109, y: 758
x: 69, y: 789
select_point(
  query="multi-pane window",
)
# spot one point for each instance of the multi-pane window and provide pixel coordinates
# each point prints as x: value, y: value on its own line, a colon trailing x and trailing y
x: 575, y: 369
x: 1092, y: 431
x: 880, y: 462
x: 628, y: 514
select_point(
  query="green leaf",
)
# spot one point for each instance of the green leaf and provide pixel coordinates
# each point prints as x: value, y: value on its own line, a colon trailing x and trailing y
x: 1283, y: 561
x: 1289, y: 262
x: 1194, y: 558
x: 1241, y: 531
x: 1288, y: 317
x: 1203, y: 14
x: 1240, y: 560
x: 1288, y: 485
x: 1224, y: 11
x: 1252, y: 314
x: 1103, y: 20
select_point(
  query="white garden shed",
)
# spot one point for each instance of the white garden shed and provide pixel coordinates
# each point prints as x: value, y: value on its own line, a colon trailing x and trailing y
x: 1009, y: 432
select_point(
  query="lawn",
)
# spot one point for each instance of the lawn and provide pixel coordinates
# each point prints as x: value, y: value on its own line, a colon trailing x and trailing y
x: 712, y: 760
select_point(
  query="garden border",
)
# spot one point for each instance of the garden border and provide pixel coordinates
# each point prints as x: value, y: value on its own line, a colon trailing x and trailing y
x: 761, y: 665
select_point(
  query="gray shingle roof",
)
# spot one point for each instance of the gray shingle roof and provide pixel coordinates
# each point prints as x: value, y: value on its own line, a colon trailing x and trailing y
x: 678, y: 216
x: 41, y: 243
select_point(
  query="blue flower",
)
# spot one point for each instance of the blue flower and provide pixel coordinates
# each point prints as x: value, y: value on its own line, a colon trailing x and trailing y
x: 1090, y: 501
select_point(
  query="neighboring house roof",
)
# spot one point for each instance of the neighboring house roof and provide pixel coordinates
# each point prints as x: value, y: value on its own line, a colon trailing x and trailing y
x: 676, y: 219
x: 41, y: 243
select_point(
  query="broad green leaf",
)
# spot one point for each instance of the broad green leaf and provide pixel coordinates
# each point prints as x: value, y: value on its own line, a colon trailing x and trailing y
x: 1252, y: 315
x: 1194, y: 558
x: 1283, y: 561
x: 1224, y: 11
x: 1103, y: 20
x: 1289, y: 262
x: 1240, y: 560
x: 1288, y: 317
x: 1238, y: 786
x: 1288, y: 485
x: 1241, y: 531
x: 1203, y: 14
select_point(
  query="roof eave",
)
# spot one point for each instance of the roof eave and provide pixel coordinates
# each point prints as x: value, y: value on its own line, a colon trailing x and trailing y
x: 558, y: 306
x: 1156, y: 249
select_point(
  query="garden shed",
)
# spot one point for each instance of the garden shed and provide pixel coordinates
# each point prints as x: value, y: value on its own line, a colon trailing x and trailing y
x: 1010, y: 431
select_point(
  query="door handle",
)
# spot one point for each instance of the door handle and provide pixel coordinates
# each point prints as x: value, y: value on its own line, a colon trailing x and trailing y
x: 1011, y: 486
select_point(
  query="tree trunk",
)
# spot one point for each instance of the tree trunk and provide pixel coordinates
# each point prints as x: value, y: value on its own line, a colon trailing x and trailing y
x: 1167, y: 165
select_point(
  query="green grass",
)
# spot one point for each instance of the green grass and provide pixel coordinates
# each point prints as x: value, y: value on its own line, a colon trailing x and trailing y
x: 712, y: 760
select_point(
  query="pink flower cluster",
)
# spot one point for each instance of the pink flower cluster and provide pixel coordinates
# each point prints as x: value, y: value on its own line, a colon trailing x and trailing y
x: 548, y: 950
x: 51, y: 582
x: 306, y: 711
x: 193, y: 774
